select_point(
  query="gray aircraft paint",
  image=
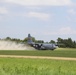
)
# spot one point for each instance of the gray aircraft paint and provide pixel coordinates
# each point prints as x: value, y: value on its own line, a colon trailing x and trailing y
x: 41, y: 46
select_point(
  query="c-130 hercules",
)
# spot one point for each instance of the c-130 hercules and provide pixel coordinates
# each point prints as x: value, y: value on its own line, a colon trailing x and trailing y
x: 41, y: 46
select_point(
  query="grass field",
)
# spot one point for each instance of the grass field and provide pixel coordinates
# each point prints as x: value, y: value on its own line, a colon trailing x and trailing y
x: 66, y: 52
x: 21, y: 66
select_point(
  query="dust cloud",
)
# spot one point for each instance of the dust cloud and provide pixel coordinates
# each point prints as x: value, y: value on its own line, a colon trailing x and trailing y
x: 9, y: 45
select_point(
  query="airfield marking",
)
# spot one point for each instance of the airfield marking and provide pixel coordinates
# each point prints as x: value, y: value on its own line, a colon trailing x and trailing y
x: 39, y: 57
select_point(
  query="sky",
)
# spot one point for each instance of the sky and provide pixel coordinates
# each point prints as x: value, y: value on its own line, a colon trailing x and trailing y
x: 43, y: 19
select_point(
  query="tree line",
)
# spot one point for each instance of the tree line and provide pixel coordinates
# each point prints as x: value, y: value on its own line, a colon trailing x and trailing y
x: 66, y: 43
x: 63, y: 43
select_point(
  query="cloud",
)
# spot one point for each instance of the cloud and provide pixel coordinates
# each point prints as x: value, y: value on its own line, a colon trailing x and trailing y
x: 71, y: 11
x: 71, y: 17
x: 41, y: 2
x: 67, y: 30
x: 3, y: 13
x: 61, y: 31
x: 34, y: 7
x: 3, y: 10
x: 38, y: 15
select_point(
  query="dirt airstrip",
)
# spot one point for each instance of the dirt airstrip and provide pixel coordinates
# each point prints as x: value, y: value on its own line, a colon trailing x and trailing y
x: 38, y: 57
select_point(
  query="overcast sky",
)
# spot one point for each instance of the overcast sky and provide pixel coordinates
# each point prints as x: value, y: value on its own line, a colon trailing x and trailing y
x: 44, y: 19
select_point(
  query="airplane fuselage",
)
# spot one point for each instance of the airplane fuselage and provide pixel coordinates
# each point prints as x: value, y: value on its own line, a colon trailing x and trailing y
x: 44, y: 46
x: 41, y: 46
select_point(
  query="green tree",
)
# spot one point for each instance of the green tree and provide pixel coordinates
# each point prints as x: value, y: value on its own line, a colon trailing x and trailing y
x: 7, y: 38
x: 52, y: 41
x: 39, y: 41
x: 26, y: 39
x: 60, y: 42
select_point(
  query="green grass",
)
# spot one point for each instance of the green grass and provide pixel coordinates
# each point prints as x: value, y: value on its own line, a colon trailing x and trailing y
x: 56, y: 53
x: 21, y: 66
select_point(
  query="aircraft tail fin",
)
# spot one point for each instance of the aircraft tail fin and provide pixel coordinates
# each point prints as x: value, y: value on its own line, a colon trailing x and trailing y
x: 30, y: 40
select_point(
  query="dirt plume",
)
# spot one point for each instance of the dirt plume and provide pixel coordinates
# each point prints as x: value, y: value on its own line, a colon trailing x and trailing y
x: 9, y: 45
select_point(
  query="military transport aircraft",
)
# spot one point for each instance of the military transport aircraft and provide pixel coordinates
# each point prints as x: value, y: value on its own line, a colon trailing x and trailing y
x: 41, y: 46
